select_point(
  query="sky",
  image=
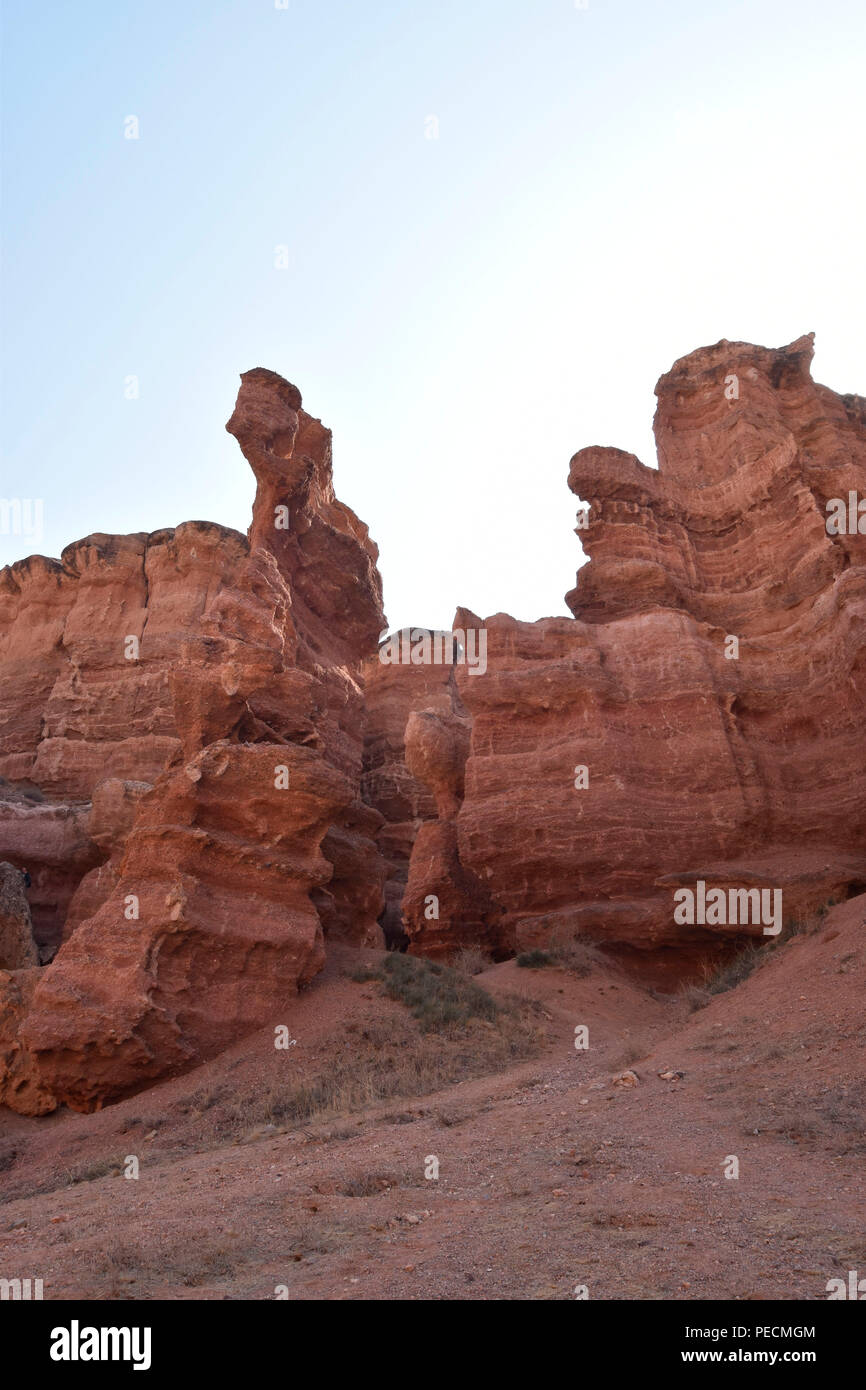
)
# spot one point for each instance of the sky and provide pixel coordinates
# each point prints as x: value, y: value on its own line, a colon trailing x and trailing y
x: 474, y: 233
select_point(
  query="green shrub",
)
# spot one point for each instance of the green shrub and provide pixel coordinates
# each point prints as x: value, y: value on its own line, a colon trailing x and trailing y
x: 436, y: 996
x: 534, y: 960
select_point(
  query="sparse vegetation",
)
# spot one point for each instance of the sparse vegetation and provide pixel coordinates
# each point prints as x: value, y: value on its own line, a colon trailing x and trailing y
x: 734, y: 971
x: 455, y: 1030
x: 369, y: 1184
x: 437, y: 996
x: 568, y: 950
x: 205, y: 1099
x: 721, y: 978
x: 90, y: 1171
x: 363, y: 975
x: 834, y: 1119
x: 738, y: 968
x: 633, y: 1050
x: 574, y: 952
x: 470, y: 960
x: 192, y: 1259
x: 534, y: 960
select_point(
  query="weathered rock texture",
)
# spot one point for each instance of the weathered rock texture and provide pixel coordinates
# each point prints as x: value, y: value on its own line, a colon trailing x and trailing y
x: 181, y: 734
x: 741, y: 772
x: 461, y: 909
x: 209, y: 772
x: 392, y: 692
x: 20, y: 1084
x: 17, y: 947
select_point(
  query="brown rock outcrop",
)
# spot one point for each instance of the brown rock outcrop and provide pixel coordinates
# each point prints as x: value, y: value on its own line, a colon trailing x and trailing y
x: 711, y: 684
x: 391, y: 693
x: 188, y: 708
x: 17, y: 947
x: 208, y: 933
x: 460, y: 909
x: 20, y: 1085
x: 208, y: 770
x: 50, y: 840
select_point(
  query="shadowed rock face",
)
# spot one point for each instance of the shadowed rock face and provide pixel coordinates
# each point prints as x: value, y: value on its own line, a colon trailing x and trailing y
x: 462, y: 910
x: 742, y: 770
x: 17, y: 947
x: 391, y: 694
x: 181, y: 731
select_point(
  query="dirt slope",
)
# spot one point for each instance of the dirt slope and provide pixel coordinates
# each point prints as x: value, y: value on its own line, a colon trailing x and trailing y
x: 550, y: 1176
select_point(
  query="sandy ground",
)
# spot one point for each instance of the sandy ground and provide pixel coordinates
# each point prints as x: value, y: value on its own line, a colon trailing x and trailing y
x: 551, y: 1178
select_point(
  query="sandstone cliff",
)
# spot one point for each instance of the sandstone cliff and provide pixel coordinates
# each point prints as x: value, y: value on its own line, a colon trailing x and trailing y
x: 210, y: 772
x: 181, y: 733
x: 392, y: 692
x: 711, y: 684
x: 17, y: 947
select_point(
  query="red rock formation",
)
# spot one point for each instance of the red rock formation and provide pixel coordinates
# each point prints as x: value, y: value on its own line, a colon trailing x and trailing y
x: 190, y: 705
x: 50, y: 840
x: 183, y: 718
x: 111, y: 818
x: 20, y: 1085
x: 458, y: 908
x: 17, y: 947
x: 743, y: 770
x: 392, y: 691
x: 208, y: 933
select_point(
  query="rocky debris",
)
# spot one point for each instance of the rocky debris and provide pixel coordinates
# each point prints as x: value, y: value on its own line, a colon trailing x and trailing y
x: 17, y: 947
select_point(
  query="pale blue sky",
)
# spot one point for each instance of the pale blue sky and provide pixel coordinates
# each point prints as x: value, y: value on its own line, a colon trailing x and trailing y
x: 610, y: 188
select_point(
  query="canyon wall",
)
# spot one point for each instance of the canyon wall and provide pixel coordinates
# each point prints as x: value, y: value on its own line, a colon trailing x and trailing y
x: 392, y: 692
x: 210, y: 772
x: 702, y: 716
x: 181, y: 738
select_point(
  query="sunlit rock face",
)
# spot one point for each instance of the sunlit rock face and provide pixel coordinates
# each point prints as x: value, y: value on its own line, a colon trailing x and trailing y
x: 210, y: 769
x: 702, y: 716
x: 181, y: 740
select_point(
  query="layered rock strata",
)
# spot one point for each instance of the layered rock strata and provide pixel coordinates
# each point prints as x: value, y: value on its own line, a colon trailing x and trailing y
x: 701, y: 717
x: 392, y: 691
x: 181, y: 736
x: 209, y: 771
